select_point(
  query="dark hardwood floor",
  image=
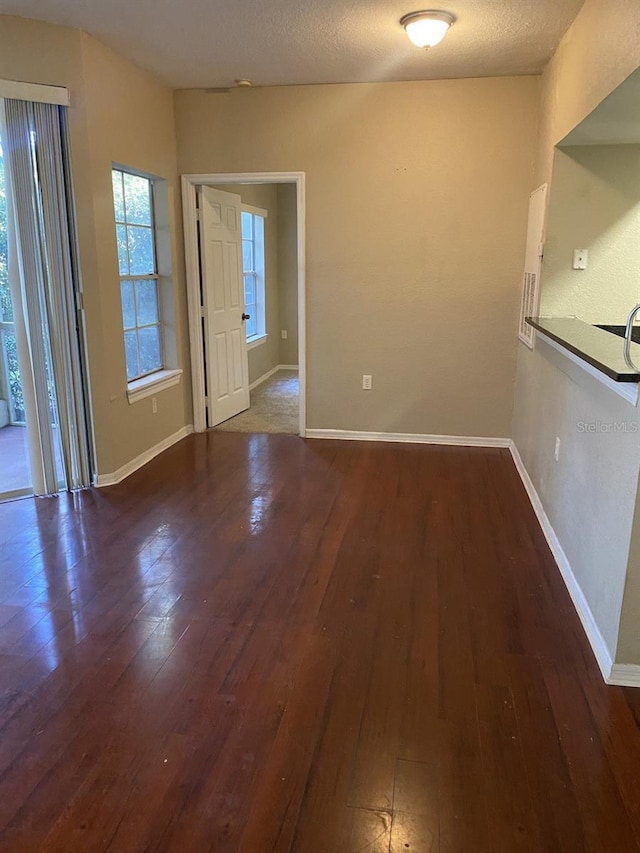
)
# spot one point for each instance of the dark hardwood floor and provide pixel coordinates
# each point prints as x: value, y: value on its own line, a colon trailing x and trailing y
x: 260, y: 644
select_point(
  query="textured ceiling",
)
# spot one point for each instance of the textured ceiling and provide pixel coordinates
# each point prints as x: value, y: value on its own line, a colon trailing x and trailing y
x: 210, y: 43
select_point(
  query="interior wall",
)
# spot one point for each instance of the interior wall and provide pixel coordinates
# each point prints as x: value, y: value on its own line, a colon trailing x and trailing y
x: 591, y: 493
x: 117, y: 113
x: 595, y: 205
x: 130, y: 121
x: 36, y: 52
x: 628, y: 650
x: 416, y: 205
x: 288, y: 271
x: 266, y: 355
x: 598, y: 51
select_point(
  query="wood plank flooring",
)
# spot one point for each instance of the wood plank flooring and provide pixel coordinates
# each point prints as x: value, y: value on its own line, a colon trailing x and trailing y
x: 259, y: 644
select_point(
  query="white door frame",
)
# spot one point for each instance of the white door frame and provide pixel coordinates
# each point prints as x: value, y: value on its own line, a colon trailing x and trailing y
x: 192, y: 263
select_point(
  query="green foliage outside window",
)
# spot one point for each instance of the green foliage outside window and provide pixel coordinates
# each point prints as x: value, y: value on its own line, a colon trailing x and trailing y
x: 8, y: 338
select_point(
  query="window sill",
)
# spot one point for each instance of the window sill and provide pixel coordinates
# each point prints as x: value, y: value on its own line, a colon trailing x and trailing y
x: 148, y: 385
x: 255, y: 342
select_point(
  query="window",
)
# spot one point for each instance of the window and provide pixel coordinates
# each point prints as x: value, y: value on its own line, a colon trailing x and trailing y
x: 253, y: 268
x: 135, y: 232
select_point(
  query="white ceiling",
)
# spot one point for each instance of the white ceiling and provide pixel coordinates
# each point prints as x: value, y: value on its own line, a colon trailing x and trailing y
x: 211, y: 43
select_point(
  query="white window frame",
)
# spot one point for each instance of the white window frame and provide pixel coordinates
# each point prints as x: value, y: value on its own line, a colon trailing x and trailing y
x: 151, y: 276
x: 169, y: 373
x: 259, y: 252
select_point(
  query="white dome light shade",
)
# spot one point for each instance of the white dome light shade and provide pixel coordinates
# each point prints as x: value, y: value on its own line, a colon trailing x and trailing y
x: 426, y: 29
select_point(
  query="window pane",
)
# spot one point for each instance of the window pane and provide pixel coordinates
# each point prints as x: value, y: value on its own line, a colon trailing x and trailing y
x: 16, y: 401
x: 146, y: 302
x: 140, y: 242
x: 137, y: 196
x: 247, y: 256
x: 249, y: 291
x: 252, y: 326
x: 247, y: 226
x: 128, y: 307
x: 131, y: 354
x: 6, y: 306
x: 123, y: 259
x: 149, y: 342
x: 6, y: 309
x: 118, y: 196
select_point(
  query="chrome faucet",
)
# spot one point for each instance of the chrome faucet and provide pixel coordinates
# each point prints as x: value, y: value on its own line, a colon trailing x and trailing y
x: 627, y: 338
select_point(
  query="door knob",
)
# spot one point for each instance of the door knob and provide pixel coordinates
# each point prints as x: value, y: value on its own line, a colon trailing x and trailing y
x: 246, y: 316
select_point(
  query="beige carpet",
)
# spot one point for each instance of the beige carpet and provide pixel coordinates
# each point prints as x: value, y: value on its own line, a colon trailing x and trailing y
x: 274, y: 407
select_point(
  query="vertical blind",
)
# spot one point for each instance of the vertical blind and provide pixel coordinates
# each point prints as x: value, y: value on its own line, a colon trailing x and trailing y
x: 44, y: 280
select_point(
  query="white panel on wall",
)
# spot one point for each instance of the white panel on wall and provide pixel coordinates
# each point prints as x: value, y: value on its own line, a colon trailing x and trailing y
x: 532, y: 263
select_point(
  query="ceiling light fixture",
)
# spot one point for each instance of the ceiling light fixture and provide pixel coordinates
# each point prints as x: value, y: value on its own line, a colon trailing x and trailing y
x: 428, y: 28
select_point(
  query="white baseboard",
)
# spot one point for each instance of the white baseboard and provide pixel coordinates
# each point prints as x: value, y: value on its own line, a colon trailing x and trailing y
x: 409, y: 438
x: 624, y: 675
x: 128, y: 469
x: 270, y: 373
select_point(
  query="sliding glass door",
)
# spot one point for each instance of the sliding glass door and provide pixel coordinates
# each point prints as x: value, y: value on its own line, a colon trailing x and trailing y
x: 44, y: 443
x: 15, y: 471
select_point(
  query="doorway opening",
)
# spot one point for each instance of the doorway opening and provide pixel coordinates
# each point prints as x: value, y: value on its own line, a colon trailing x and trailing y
x: 244, y: 243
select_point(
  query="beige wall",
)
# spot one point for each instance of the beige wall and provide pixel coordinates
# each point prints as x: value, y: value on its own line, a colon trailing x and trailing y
x: 589, y: 496
x: 288, y: 272
x: 595, y: 204
x: 628, y: 650
x: 599, y: 50
x: 130, y: 121
x: 35, y: 52
x: 117, y: 113
x: 416, y: 217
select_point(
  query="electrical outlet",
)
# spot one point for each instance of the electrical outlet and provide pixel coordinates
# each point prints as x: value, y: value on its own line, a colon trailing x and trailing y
x: 154, y: 405
x: 556, y: 452
x: 283, y: 334
x: 366, y: 382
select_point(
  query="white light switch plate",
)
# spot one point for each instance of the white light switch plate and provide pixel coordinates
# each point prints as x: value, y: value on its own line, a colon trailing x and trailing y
x: 580, y: 259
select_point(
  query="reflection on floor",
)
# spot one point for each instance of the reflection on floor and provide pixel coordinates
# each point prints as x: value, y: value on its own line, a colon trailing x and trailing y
x: 14, y: 459
x: 274, y: 407
x: 256, y: 643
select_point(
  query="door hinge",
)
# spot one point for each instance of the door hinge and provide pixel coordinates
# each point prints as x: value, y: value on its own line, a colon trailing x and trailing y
x: 202, y: 311
x: 79, y: 301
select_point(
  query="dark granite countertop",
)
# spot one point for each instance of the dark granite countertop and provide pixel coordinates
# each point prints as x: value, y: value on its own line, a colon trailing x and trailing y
x: 600, y: 348
x: 620, y: 331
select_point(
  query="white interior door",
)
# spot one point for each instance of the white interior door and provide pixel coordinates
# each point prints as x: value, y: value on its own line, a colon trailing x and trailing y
x: 223, y: 301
